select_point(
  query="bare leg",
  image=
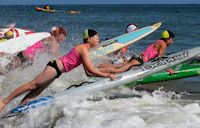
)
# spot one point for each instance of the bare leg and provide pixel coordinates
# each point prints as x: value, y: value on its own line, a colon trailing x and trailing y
x: 34, y: 93
x: 37, y: 85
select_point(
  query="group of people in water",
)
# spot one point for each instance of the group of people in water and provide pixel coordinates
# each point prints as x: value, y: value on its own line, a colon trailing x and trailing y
x: 79, y: 54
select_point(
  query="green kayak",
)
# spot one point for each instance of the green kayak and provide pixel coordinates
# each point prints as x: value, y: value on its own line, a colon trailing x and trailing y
x: 184, y: 70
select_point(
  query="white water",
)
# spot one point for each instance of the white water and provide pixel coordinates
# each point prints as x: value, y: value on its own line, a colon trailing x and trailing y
x: 140, y: 110
x: 149, y: 111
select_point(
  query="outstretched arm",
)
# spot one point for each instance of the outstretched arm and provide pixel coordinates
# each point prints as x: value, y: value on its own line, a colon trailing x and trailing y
x: 161, y: 48
x: 121, y: 69
x: 106, y: 65
x: 89, y: 66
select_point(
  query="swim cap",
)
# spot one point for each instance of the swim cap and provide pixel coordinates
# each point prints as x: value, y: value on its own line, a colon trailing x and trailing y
x: 89, y: 33
x: 9, y: 34
x: 130, y: 28
x: 85, y: 34
x: 53, y: 28
x: 167, y: 34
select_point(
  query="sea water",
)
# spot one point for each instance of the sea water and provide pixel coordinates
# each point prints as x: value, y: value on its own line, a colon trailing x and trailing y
x: 115, y: 108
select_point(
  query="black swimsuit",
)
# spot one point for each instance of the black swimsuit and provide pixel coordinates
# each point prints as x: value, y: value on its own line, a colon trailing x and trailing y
x: 54, y: 65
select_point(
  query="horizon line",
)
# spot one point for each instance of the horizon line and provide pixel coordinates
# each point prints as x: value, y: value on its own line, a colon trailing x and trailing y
x: 114, y: 4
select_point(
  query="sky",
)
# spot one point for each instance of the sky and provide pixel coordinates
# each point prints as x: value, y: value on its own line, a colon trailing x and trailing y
x: 35, y: 2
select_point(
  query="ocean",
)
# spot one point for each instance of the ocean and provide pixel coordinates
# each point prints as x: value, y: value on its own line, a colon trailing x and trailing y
x: 172, y: 104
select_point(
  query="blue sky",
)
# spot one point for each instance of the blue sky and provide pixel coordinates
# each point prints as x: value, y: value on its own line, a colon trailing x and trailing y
x: 30, y: 2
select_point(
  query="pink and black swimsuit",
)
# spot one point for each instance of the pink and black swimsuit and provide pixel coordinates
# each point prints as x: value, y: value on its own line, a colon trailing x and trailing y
x: 151, y: 52
x: 29, y: 53
x: 148, y: 54
x: 70, y: 61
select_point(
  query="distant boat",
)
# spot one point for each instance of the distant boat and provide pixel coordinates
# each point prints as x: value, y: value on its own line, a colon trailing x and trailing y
x: 72, y: 12
x: 45, y: 9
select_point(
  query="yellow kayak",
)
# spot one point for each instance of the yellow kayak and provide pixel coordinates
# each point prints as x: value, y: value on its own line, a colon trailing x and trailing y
x: 44, y: 10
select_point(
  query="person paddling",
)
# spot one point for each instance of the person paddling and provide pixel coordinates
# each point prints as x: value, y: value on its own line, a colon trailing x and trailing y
x: 153, y: 51
x: 78, y: 55
x: 50, y: 44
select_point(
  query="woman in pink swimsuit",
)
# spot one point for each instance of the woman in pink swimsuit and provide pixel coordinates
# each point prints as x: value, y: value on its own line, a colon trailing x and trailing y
x: 50, y: 44
x: 156, y: 49
x: 78, y: 55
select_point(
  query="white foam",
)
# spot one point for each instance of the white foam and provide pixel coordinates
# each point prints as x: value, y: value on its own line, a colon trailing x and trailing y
x: 192, y: 108
x: 146, y: 112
